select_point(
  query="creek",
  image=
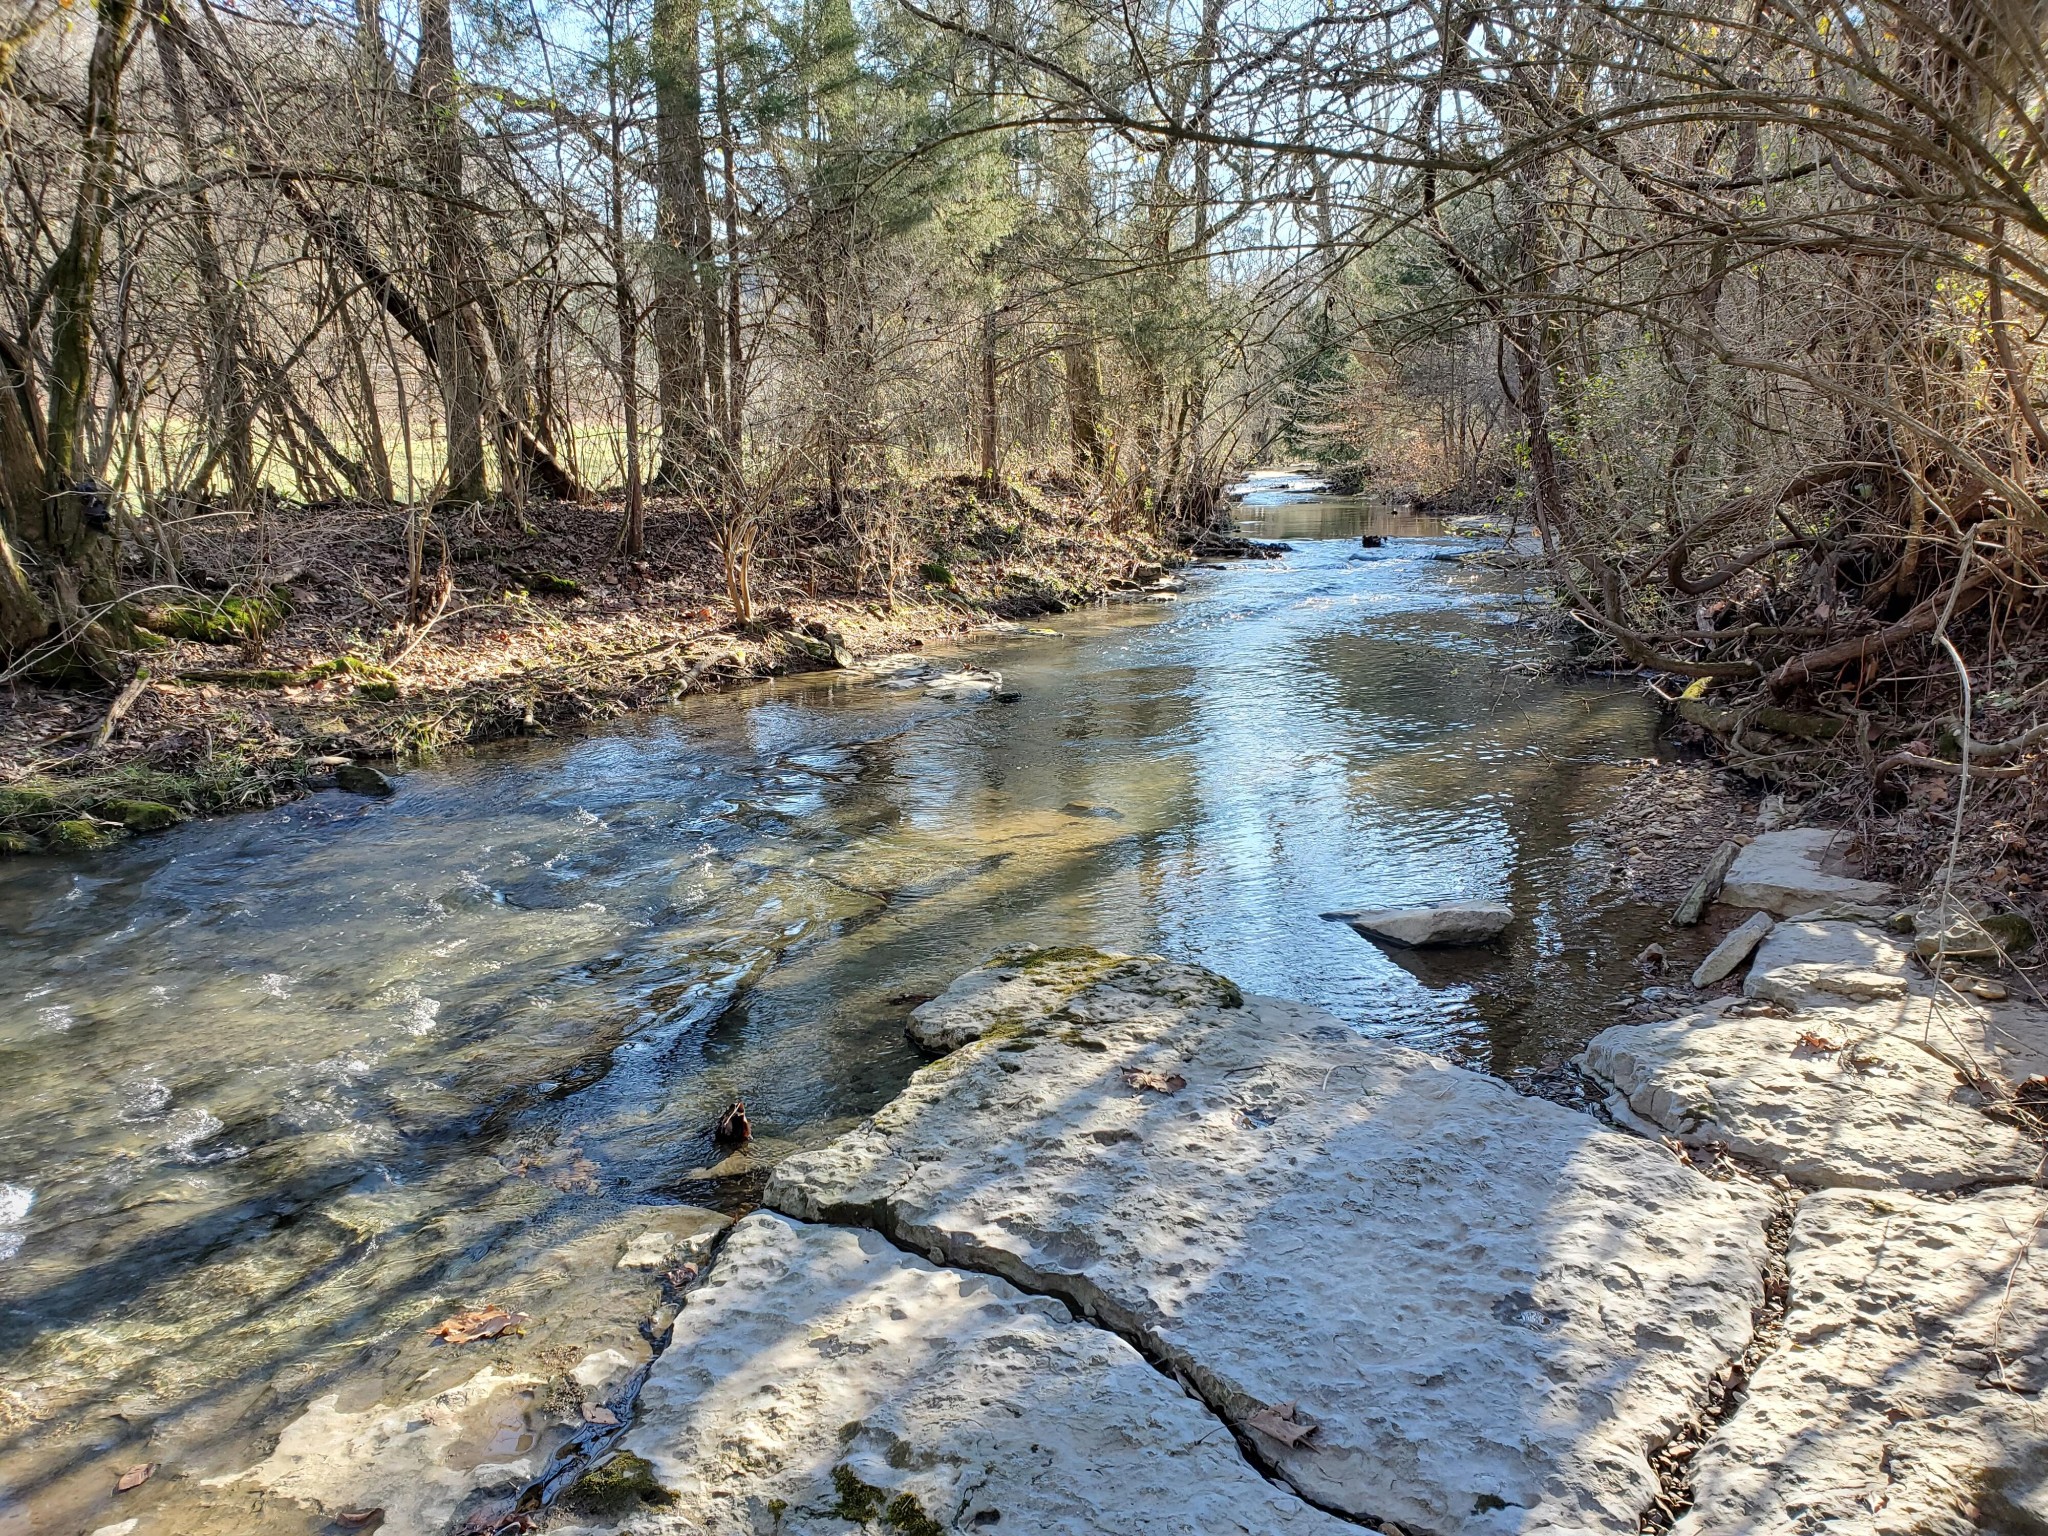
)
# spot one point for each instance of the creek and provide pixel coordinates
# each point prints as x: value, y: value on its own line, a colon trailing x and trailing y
x: 275, y: 1085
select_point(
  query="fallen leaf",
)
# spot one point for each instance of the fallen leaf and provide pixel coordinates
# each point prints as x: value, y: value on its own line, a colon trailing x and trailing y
x: 1813, y: 1042
x: 1158, y: 1082
x: 135, y: 1476
x: 356, y: 1519
x: 597, y: 1414
x: 1280, y: 1423
x: 483, y: 1323
x: 681, y: 1275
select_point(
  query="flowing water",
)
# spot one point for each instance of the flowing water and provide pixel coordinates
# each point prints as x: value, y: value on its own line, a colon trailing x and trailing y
x: 271, y: 1087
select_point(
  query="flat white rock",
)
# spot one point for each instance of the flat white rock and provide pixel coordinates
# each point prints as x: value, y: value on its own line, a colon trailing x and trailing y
x: 1491, y: 1308
x: 1820, y: 963
x: 1023, y: 985
x: 1907, y: 1395
x: 1447, y: 922
x: 1722, y: 960
x: 1882, y: 1111
x: 821, y: 1380
x: 1795, y: 871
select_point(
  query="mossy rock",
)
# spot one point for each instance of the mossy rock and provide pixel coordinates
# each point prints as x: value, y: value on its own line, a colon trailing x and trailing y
x: 78, y: 836
x: 14, y: 845
x: 936, y: 575
x: 225, y: 622
x: 546, y: 583
x: 617, y: 1488
x: 2013, y: 932
x: 382, y: 690
x: 140, y: 815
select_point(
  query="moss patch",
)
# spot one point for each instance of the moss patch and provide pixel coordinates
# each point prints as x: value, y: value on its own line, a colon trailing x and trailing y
x: 223, y: 622
x: 620, y: 1486
x: 77, y: 835
x: 140, y: 815
x: 15, y: 844
x: 864, y: 1504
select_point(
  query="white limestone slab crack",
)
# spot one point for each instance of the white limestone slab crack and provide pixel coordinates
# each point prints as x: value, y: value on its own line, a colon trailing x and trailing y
x: 820, y: 1380
x: 1493, y: 1308
x: 1908, y: 1394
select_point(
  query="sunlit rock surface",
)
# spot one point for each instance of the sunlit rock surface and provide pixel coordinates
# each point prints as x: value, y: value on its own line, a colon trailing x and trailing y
x: 1819, y: 964
x: 821, y: 1380
x: 1490, y: 1308
x: 1907, y: 1395
x: 1798, y: 870
x: 1448, y: 922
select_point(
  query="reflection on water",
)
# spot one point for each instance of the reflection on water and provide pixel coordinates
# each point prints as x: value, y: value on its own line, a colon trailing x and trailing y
x: 272, y: 1086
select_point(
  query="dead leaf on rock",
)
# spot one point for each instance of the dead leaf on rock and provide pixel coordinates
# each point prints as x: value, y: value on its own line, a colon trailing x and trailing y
x: 1281, y: 1423
x: 135, y: 1477
x: 356, y: 1519
x: 1143, y: 1078
x: 595, y: 1413
x: 483, y: 1323
x: 1809, y: 1041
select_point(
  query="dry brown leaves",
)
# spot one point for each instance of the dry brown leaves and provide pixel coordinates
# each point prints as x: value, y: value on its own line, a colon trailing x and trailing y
x: 136, y: 1476
x: 1809, y: 1041
x: 484, y: 1323
x: 1146, y: 1080
x: 1281, y: 1422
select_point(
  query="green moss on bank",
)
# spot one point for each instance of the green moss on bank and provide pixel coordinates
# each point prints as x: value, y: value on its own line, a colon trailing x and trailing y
x: 620, y: 1486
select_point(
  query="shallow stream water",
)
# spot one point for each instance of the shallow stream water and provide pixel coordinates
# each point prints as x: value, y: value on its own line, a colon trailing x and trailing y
x: 272, y: 1086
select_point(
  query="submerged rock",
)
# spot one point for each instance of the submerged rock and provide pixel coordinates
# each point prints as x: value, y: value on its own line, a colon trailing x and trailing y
x: 1796, y: 871
x: 438, y: 1435
x: 1835, y: 1098
x: 1908, y: 1394
x: 362, y: 779
x: 822, y: 1380
x: 906, y: 671
x: 1419, y: 1296
x: 1447, y: 922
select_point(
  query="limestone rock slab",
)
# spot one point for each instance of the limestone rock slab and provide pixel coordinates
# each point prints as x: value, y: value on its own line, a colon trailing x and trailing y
x: 1795, y: 871
x: 1881, y: 1111
x: 1023, y: 984
x: 1447, y: 922
x: 1735, y: 948
x: 821, y: 1378
x: 1908, y: 1393
x: 1809, y: 963
x: 1491, y: 1308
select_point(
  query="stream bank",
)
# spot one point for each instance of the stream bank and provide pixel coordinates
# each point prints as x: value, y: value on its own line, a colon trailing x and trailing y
x: 516, y: 625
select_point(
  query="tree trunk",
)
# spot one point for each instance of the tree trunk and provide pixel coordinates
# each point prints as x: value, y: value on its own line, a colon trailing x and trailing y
x: 223, y: 359
x: 69, y: 533
x: 456, y: 361
x: 990, y: 426
x: 688, y: 327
